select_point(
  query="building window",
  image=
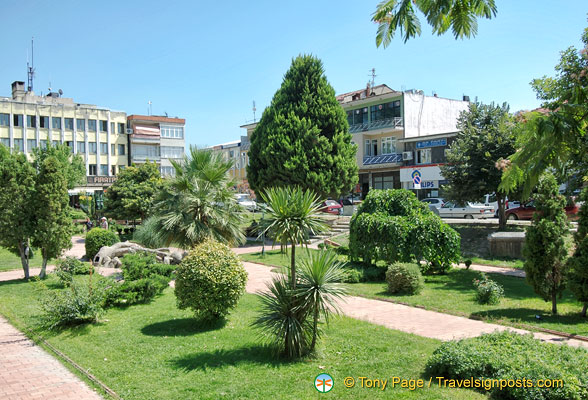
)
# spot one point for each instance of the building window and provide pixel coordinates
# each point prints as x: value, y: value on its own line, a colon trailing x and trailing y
x: 382, y: 181
x: 112, y: 149
x: 121, y: 149
x: 31, y: 121
x: 43, y: 122
x: 31, y: 144
x: 385, y: 111
x: 174, y: 132
x: 18, y: 144
x: 359, y: 116
x: 113, y: 170
x: 172, y: 152
x: 55, y: 143
x: 17, y: 120
x: 92, y: 147
x: 70, y: 145
x: 4, y: 119
x: 374, y: 147
x: 43, y: 144
x: 389, y: 145
x: 167, y: 171
x: 368, y: 147
x: 80, y: 124
x: 121, y: 128
x: 112, y: 127
x: 69, y: 124
x: 103, y: 126
x: 424, y: 156
x: 56, y: 122
x: 5, y: 142
x: 121, y: 168
x: 104, y: 170
x: 103, y: 148
x: 92, y: 125
x: 145, y: 151
x: 81, y: 147
x: 92, y: 169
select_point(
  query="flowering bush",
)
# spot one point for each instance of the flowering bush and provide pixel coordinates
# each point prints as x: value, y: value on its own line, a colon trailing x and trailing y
x: 488, y: 291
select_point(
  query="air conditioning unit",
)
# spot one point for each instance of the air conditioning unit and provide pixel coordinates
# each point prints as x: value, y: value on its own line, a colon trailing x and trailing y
x: 129, y: 131
x: 406, y: 155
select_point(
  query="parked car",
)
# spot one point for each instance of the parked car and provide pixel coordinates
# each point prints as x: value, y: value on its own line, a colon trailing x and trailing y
x: 244, y: 200
x: 436, y: 202
x: 452, y: 209
x: 490, y: 200
x: 331, y: 207
x: 526, y: 211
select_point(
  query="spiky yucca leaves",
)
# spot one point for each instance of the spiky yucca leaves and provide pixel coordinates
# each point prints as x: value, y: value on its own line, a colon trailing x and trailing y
x: 292, y: 215
x: 284, y: 318
x: 320, y: 275
x: 196, y: 204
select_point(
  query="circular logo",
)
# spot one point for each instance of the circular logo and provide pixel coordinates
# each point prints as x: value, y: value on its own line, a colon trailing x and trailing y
x: 323, y: 383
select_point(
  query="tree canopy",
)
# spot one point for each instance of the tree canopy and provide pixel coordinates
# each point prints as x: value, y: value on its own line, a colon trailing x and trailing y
x: 458, y: 15
x: 72, y: 165
x: 131, y: 196
x: 303, y: 136
x: 486, y: 137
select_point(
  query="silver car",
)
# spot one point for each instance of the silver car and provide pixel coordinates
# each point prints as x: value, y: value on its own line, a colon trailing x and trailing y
x: 452, y: 209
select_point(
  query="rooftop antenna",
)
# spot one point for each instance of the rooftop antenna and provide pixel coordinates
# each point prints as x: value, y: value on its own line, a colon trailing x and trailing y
x: 150, y: 108
x: 254, y: 109
x: 373, y: 75
x: 31, y: 67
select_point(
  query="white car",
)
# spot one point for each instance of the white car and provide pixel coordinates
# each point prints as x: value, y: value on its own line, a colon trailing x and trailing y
x: 452, y: 209
x: 490, y: 200
x: 436, y: 202
x: 244, y: 200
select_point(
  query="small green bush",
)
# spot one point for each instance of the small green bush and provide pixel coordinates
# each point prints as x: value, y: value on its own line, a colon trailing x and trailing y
x: 343, y: 250
x: 352, y: 275
x: 136, y: 292
x: 144, y: 265
x: 76, y: 213
x: 70, y: 266
x: 404, y: 278
x: 488, y: 291
x: 96, y: 239
x: 373, y: 273
x: 80, y: 303
x: 507, y: 355
x: 210, y: 280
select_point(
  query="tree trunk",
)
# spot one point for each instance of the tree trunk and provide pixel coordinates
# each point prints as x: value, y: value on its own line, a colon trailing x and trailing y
x: 43, y: 272
x: 293, y: 266
x: 554, y: 302
x: 24, y: 260
x: 584, y: 310
x: 501, y: 212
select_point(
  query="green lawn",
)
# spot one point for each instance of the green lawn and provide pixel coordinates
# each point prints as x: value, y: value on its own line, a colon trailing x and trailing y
x: 9, y: 261
x: 454, y: 294
x: 159, y: 352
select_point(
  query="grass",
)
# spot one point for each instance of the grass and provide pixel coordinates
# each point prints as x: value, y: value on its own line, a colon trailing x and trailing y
x: 157, y: 351
x: 454, y: 294
x: 9, y: 261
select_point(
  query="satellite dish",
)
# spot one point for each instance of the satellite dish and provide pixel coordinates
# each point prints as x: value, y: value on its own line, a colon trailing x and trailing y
x: 60, y: 92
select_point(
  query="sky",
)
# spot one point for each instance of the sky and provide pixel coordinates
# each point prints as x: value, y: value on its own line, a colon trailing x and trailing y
x: 208, y: 61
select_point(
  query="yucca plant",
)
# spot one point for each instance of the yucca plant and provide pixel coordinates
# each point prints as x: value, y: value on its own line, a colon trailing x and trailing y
x: 284, y: 318
x: 319, y: 276
x: 292, y: 214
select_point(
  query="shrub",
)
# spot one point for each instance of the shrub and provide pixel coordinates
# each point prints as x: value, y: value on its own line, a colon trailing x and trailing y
x: 210, y: 280
x: 96, y: 239
x: 343, y: 250
x: 507, y: 355
x: 468, y: 263
x: 404, y: 278
x: 80, y: 303
x: 70, y: 266
x: 144, y: 265
x: 374, y: 273
x: 488, y: 291
x: 352, y: 275
x: 137, y: 291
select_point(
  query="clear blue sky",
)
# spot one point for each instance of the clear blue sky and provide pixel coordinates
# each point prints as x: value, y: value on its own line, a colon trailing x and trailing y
x: 207, y: 61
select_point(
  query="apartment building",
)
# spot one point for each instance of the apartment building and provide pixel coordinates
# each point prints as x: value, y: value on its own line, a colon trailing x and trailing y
x: 98, y: 134
x: 155, y: 138
x: 237, y: 151
x: 400, y: 135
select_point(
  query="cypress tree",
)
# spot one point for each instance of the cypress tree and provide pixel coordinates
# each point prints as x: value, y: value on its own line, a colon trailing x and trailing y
x: 578, y: 263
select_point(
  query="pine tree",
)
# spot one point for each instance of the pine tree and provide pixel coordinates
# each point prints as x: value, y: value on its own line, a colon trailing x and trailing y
x: 53, y: 224
x: 578, y: 263
x: 545, y: 250
x: 303, y: 137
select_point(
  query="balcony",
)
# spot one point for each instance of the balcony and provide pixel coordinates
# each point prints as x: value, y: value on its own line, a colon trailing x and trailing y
x: 383, y: 159
x: 139, y: 158
x: 395, y: 123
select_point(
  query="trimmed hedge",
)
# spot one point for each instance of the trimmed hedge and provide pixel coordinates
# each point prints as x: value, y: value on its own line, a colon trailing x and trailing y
x: 210, y: 280
x: 507, y: 355
x: 144, y: 265
x: 393, y: 226
x: 404, y: 278
x: 96, y: 239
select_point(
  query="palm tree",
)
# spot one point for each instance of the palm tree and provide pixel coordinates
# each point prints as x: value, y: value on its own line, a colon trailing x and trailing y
x: 320, y: 275
x: 196, y: 204
x: 291, y: 216
x: 460, y: 16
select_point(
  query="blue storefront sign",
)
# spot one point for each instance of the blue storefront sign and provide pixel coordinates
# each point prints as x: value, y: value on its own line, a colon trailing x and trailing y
x: 431, y: 143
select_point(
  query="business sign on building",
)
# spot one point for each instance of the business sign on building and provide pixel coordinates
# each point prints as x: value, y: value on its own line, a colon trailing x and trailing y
x: 431, y: 143
x: 100, y: 180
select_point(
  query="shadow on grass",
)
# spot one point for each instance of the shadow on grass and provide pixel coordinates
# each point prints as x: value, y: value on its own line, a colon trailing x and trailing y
x: 528, y: 316
x: 182, y: 327
x: 18, y: 281
x: 254, y: 354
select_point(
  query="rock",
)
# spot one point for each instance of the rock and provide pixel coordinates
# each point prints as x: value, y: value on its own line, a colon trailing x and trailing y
x: 109, y: 256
